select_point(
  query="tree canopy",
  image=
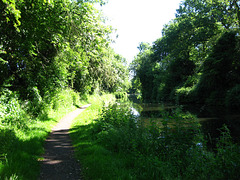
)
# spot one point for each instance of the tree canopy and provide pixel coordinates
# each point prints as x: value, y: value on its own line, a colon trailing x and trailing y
x: 53, y: 44
x: 196, y: 59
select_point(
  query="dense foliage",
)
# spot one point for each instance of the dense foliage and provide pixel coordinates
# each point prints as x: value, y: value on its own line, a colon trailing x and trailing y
x: 52, y: 53
x: 56, y: 44
x: 119, y: 145
x: 197, y: 58
x: 23, y: 129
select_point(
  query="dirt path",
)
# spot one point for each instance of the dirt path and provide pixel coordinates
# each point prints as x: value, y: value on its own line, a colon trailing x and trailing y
x: 59, y: 162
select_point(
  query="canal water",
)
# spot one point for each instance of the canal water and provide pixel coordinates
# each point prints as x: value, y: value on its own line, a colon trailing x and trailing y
x: 211, y: 119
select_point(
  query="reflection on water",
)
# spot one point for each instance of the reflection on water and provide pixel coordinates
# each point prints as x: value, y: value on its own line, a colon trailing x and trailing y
x: 210, y: 118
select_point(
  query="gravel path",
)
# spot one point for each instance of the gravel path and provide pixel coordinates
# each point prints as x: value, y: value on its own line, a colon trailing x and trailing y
x: 59, y: 162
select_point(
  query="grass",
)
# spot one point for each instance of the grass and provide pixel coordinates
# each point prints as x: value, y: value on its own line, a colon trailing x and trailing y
x: 112, y: 144
x: 97, y: 161
x: 22, y: 133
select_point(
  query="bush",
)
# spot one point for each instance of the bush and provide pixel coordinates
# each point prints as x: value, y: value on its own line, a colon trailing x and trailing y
x: 216, y: 98
x: 11, y: 112
x: 121, y: 95
x: 7, y: 137
x: 228, y: 156
x: 232, y: 99
x: 65, y: 98
x: 113, y: 126
x: 220, y: 71
x: 182, y: 95
x: 24, y: 125
x: 119, y: 131
x: 173, y: 149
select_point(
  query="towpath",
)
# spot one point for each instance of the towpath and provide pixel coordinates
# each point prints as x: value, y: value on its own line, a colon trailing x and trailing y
x: 59, y: 162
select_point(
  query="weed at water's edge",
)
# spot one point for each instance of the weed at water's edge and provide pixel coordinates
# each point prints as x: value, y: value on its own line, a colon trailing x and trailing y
x: 174, y: 150
x: 97, y: 162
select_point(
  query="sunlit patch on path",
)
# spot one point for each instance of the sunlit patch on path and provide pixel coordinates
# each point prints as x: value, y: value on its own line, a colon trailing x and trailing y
x: 58, y: 161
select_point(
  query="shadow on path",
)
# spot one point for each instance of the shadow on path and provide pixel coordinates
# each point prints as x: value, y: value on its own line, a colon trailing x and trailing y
x: 59, y: 162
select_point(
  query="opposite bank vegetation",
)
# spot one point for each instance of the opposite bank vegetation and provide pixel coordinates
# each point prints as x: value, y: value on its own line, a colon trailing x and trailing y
x: 196, y: 61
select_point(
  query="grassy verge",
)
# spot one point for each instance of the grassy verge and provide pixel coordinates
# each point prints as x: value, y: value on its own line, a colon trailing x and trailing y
x: 112, y: 144
x: 23, y: 130
x: 97, y: 161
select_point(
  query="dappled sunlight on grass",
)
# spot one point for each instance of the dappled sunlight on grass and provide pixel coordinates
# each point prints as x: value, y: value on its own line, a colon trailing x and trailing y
x: 26, y: 149
x: 22, y: 136
x: 97, y: 161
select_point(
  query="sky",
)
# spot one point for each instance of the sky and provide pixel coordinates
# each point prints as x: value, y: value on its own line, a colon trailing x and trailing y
x: 138, y: 21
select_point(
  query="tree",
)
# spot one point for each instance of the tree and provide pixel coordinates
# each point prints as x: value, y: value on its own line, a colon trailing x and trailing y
x: 220, y: 70
x: 51, y: 45
x: 143, y: 68
x: 176, y: 60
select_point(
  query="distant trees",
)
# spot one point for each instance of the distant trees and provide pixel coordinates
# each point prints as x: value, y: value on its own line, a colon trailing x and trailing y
x: 196, y: 59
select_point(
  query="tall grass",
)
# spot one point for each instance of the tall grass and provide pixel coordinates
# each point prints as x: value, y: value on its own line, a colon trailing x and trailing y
x: 113, y: 144
x: 24, y: 125
x: 97, y: 161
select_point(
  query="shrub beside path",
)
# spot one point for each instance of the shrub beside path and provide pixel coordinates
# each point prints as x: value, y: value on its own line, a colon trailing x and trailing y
x: 59, y: 162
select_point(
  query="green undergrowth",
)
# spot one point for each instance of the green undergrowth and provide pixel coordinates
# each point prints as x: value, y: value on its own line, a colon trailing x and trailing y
x: 24, y: 125
x: 111, y: 143
x: 97, y: 161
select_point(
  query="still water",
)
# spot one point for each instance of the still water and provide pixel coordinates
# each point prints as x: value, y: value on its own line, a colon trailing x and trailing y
x: 211, y: 119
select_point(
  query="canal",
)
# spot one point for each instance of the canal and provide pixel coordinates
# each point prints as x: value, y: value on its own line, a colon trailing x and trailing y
x: 211, y: 119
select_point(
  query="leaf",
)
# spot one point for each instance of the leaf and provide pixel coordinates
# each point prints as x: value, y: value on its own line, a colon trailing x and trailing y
x: 2, y: 60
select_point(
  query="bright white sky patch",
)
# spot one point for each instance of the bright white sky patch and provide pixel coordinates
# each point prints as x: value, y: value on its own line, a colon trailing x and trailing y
x: 138, y: 21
